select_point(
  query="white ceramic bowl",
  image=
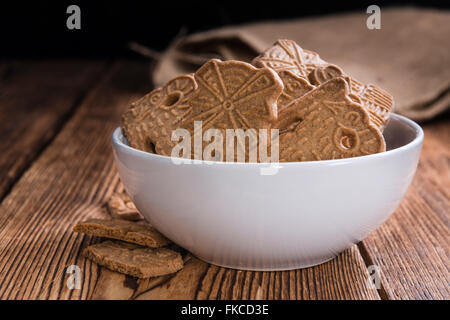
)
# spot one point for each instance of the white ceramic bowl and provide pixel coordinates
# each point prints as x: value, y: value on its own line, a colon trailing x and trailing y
x: 231, y: 215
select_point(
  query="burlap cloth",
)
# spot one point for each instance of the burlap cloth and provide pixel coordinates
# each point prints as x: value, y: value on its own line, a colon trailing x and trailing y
x: 409, y: 56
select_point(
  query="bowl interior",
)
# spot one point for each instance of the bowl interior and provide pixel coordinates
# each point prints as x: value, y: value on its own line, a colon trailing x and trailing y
x: 399, y: 132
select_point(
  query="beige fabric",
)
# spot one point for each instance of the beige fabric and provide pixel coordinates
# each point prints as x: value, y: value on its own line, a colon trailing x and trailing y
x: 409, y: 56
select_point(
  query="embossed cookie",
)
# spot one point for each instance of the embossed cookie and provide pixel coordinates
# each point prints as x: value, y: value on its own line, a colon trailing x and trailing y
x: 151, y: 120
x: 322, y: 74
x: 142, y: 234
x: 287, y: 55
x: 294, y: 87
x: 375, y: 100
x: 233, y: 95
x: 120, y: 206
x: 134, y: 260
x: 330, y: 126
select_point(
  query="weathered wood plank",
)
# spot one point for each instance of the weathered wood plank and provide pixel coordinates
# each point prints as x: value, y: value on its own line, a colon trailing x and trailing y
x: 36, y: 98
x: 70, y: 181
x: 67, y: 183
x: 342, y: 278
x: 412, y: 247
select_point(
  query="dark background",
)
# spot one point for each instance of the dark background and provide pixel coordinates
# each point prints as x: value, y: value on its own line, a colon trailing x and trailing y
x: 30, y: 29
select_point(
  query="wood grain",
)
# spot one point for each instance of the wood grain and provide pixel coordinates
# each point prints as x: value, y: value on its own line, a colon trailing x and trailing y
x: 59, y: 179
x: 70, y: 181
x: 412, y: 247
x: 342, y: 278
x: 36, y: 98
x: 67, y: 183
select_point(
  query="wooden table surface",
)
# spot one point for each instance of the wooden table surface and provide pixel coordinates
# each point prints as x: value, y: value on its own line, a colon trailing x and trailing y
x: 57, y: 169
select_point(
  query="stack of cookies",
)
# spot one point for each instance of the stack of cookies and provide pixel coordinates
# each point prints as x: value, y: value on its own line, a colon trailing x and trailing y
x: 317, y: 110
x: 131, y: 247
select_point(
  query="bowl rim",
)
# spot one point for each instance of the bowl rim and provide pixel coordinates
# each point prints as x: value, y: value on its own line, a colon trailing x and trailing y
x: 417, y: 141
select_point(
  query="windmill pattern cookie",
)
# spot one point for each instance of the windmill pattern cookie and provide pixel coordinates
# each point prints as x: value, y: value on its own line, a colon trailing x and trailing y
x: 331, y: 127
x: 287, y: 55
x: 151, y: 120
x: 233, y: 95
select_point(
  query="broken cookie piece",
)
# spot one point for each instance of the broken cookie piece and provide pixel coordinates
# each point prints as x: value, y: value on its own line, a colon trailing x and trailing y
x: 120, y: 206
x: 142, y: 234
x: 137, y: 261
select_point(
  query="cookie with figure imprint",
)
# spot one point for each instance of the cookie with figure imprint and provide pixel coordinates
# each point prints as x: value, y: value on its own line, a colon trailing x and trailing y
x: 328, y: 125
x: 293, y: 87
x: 286, y: 55
x: 375, y: 100
x: 150, y: 121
